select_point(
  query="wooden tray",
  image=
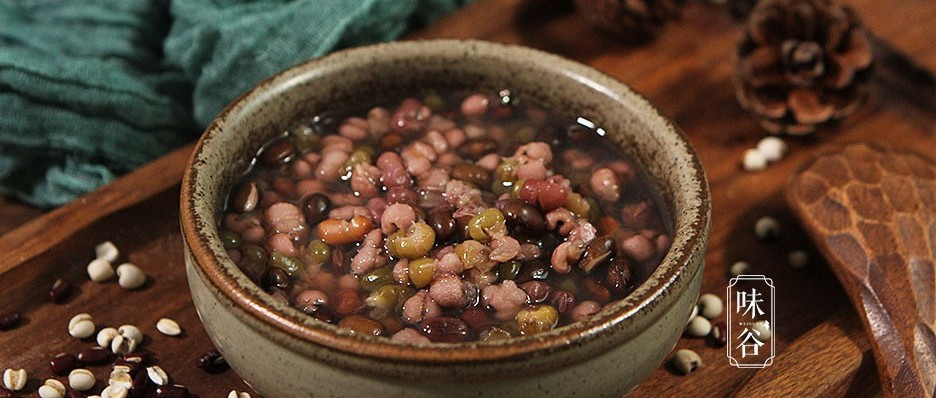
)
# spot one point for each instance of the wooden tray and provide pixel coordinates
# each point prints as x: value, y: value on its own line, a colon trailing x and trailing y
x: 686, y: 72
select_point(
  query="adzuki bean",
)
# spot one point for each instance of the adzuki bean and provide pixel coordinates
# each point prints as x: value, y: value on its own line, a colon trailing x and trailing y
x: 212, y: 362
x: 64, y: 363
x: 95, y: 356
x: 60, y: 291
x: 9, y: 320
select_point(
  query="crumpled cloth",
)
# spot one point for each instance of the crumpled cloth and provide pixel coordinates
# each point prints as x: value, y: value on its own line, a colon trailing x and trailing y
x: 91, y: 89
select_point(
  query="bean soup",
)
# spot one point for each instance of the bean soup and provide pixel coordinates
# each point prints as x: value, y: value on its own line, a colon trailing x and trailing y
x: 445, y: 218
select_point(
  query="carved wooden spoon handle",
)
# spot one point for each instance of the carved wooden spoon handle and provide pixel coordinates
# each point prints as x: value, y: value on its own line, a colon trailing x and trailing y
x: 872, y: 213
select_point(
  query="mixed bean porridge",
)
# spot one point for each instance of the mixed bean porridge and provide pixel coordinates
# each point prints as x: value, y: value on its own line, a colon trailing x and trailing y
x: 445, y: 218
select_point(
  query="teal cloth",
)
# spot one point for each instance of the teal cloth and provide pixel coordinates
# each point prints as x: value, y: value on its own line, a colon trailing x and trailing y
x: 91, y: 89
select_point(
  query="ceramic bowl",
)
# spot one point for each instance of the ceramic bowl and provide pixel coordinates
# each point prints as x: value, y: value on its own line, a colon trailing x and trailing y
x: 282, y: 352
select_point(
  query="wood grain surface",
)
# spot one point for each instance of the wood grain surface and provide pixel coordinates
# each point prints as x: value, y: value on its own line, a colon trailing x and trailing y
x: 686, y: 72
x: 872, y: 212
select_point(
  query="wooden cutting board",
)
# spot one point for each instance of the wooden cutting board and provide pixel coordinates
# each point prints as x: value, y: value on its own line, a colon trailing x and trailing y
x: 822, y: 350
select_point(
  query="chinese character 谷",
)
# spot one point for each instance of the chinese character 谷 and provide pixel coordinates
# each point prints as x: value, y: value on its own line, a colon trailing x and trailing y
x: 749, y: 301
x: 745, y: 336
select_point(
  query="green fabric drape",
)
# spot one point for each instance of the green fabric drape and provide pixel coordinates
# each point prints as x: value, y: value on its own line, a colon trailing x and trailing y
x: 94, y: 88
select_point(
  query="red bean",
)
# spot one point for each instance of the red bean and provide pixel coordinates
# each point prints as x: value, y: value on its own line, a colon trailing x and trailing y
x: 277, y: 152
x: 362, y: 325
x: 64, y: 363
x: 401, y: 195
x: 537, y: 291
x: 9, y: 320
x: 563, y: 300
x: 95, y: 356
x: 477, y: 319
x: 174, y: 391
x: 347, y: 301
x: 446, y: 330
x: 60, y: 290
x: 211, y: 362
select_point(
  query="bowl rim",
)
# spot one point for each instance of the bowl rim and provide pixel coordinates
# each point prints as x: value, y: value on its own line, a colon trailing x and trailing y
x: 688, y: 243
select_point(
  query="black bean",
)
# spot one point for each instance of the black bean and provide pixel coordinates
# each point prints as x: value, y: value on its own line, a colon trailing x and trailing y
x: 69, y: 394
x: 445, y: 330
x: 175, y: 391
x: 95, y: 356
x: 533, y: 270
x: 315, y: 207
x: 620, y: 276
x: 9, y: 320
x: 521, y: 217
x: 472, y: 173
x: 476, y: 148
x: 64, y: 363
x: 442, y: 223
x: 319, y: 312
x: 717, y: 337
x: 212, y: 362
x: 276, y: 277
x: 4, y: 393
x: 277, y: 152
x: 246, y: 197
x: 563, y: 300
x: 537, y: 291
x: 597, y: 253
x: 508, y: 270
x: 60, y: 290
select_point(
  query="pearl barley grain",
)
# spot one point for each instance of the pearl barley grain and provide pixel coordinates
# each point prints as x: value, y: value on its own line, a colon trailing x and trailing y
x: 100, y: 270
x: 753, y: 160
x: 699, y: 327
x: 131, y: 332
x: 15, y: 379
x: 106, y: 336
x: 710, y: 305
x: 739, y: 268
x: 52, y: 389
x: 798, y: 259
x: 157, y: 375
x: 81, y: 379
x: 82, y: 329
x: 168, y: 327
x: 767, y: 228
x: 107, y: 250
x: 773, y: 148
x: 115, y: 392
x: 686, y: 361
x: 129, y: 276
x: 236, y: 394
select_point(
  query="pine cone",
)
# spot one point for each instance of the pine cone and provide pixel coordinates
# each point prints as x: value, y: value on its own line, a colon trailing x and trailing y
x: 802, y: 63
x: 630, y: 20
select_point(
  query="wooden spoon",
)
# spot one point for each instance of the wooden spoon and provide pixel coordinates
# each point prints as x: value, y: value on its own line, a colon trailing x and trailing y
x: 872, y: 212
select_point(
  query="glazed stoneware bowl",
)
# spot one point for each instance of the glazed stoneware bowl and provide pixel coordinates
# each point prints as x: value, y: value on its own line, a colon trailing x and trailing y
x: 282, y: 352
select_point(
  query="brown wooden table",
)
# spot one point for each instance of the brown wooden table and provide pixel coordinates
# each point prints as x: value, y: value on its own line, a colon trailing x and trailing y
x: 686, y: 72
